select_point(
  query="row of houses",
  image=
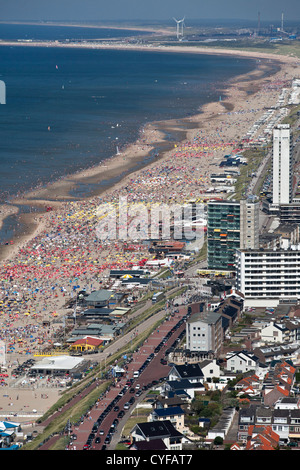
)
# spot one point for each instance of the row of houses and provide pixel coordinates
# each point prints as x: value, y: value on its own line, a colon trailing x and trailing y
x: 272, y: 391
x: 273, y: 416
x: 284, y: 422
x: 166, y: 428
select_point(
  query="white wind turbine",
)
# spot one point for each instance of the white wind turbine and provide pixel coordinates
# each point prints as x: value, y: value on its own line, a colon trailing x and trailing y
x: 179, y: 27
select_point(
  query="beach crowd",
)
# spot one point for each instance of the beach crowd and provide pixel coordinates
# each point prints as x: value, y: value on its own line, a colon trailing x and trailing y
x: 66, y: 256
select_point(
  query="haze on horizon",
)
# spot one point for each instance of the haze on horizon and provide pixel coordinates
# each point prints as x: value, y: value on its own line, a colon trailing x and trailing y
x: 130, y: 10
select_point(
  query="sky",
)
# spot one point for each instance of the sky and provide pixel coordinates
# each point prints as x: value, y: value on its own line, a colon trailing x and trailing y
x: 100, y: 10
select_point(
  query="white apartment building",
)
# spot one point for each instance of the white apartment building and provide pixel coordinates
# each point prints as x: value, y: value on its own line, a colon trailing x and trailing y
x: 282, y: 165
x: 241, y: 361
x: 249, y: 224
x: 204, y: 332
x: 286, y: 331
x: 264, y: 277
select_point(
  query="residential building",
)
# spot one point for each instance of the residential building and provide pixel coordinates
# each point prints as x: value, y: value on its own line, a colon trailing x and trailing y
x: 223, y: 234
x: 288, y: 403
x: 163, y: 430
x: 184, y: 389
x: 230, y: 225
x: 272, y: 333
x: 286, y: 331
x: 289, y: 213
x: 204, y: 332
x: 175, y: 414
x: 278, y: 383
x: 282, y: 192
x: 251, y: 383
x: 241, y: 361
x: 210, y: 370
x: 270, y: 353
x: 264, y: 277
x: 262, y: 438
x: 284, y: 422
x: 249, y: 223
x: 191, y: 372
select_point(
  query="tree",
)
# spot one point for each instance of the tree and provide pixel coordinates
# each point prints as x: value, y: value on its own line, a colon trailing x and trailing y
x: 218, y: 441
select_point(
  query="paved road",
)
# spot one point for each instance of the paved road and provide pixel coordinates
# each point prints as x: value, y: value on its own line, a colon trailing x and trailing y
x: 154, y: 371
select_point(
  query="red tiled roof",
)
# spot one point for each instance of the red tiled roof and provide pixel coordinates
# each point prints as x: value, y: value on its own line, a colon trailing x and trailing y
x: 89, y: 341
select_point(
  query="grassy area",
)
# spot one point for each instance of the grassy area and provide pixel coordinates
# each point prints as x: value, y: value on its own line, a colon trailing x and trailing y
x: 139, y: 415
x: 75, y: 412
x: 292, y: 117
x: 254, y: 157
x: 58, y: 424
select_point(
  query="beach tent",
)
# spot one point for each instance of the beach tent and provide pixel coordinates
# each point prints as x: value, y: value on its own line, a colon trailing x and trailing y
x: 9, y: 424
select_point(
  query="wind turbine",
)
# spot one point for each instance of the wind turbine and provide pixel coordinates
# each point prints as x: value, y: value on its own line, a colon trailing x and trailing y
x: 179, y: 28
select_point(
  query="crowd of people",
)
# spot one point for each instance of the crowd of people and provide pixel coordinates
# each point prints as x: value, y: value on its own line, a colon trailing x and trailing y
x: 67, y: 256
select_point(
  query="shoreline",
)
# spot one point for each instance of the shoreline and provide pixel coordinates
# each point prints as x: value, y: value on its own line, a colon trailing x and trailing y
x: 136, y: 155
x: 72, y: 255
x: 120, y: 45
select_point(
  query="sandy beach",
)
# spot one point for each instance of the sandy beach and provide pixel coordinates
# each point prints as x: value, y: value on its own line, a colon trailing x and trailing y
x: 60, y: 251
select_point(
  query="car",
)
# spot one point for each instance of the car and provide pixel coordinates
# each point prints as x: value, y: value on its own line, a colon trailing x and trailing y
x: 163, y: 362
x: 101, y: 432
x: 138, y: 393
x: 121, y: 414
x: 127, y: 442
x: 132, y: 400
x: 97, y: 440
x: 107, y: 439
x: 86, y: 447
x: 137, y: 386
x: 116, y: 408
x: 126, y: 406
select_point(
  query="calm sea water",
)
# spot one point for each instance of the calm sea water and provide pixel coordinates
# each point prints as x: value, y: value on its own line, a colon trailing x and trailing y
x: 67, y: 109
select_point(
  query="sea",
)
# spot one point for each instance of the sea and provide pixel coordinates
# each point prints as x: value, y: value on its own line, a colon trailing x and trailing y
x: 67, y: 109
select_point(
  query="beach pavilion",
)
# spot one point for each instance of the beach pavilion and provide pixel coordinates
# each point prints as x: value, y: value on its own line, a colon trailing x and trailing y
x: 60, y: 365
x: 99, y: 298
x: 87, y: 344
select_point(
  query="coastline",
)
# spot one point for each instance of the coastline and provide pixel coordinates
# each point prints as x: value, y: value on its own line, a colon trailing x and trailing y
x: 135, y: 156
x: 151, y: 48
x: 44, y: 269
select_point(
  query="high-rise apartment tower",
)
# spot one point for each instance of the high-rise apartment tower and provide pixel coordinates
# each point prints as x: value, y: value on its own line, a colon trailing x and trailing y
x: 282, y: 165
